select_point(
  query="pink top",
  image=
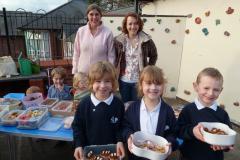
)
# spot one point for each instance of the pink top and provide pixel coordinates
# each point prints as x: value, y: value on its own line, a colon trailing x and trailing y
x: 89, y: 49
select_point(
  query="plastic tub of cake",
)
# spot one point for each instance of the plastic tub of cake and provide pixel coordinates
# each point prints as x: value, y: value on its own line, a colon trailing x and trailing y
x: 32, y: 100
x: 32, y: 118
x: 150, y: 146
x: 100, y: 152
x: 10, y: 118
x: 218, y: 134
x: 3, y: 111
x: 63, y: 108
x: 49, y: 102
x: 10, y: 104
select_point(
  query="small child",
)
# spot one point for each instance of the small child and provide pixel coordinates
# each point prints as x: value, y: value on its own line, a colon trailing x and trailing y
x: 150, y: 114
x: 59, y: 89
x: 33, y: 89
x: 80, y: 86
x: 99, y: 116
x: 208, y: 86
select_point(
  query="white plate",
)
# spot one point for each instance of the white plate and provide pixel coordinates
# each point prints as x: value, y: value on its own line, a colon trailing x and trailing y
x: 146, y: 153
x: 215, y: 139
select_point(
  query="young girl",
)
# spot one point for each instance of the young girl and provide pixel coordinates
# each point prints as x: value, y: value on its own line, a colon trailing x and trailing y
x: 150, y: 114
x: 98, y: 118
x: 80, y: 86
x: 59, y: 89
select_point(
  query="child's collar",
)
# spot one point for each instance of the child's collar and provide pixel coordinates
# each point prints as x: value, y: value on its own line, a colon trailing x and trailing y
x: 96, y: 101
x: 200, y: 106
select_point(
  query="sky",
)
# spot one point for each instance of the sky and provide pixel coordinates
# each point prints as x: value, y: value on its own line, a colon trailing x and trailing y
x: 31, y: 5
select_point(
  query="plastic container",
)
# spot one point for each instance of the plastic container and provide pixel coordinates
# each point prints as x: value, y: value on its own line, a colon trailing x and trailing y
x: 3, y: 111
x: 216, y: 139
x: 49, y: 102
x: 10, y: 104
x: 10, y: 118
x: 35, y: 68
x: 24, y: 66
x: 52, y: 124
x: 63, y: 109
x: 33, y: 118
x: 139, y: 137
x: 32, y: 100
x: 101, y: 151
x: 17, y: 96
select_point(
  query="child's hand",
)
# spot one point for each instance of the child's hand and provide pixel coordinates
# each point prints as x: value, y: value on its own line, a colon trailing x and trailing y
x: 130, y: 142
x: 197, y: 132
x: 78, y: 153
x: 120, y: 150
x: 216, y: 147
x: 170, y: 149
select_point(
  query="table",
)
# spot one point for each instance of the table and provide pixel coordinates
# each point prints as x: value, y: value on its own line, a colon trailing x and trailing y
x: 61, y: 134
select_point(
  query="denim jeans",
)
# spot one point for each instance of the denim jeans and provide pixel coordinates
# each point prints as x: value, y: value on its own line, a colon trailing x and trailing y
x: 128, y: 91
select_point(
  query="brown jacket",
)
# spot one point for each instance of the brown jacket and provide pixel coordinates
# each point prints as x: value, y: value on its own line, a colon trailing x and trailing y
x: 149, y: 51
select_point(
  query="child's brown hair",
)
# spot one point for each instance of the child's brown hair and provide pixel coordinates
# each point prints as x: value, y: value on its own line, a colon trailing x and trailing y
x: 211, y: 72
x: 150, y: 74
x: 77, y: 78
x: 33, y: 89
x: 98, y: 70
x: 59, y: 70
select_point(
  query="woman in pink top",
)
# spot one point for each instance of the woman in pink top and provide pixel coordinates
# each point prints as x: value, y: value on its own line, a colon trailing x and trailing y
x: 93, y: 42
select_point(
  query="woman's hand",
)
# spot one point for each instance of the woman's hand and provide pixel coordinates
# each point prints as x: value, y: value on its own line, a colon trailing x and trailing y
x: 197, y: 132
x: 78, y: 153
x: 130, y: 142
x: 120, y: 150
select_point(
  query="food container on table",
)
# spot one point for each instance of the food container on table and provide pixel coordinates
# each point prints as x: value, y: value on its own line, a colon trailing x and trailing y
x: 3, y: 111
x: 140, y: 138
x: 101, y: 152
x: 10, y: 118
x: 49, y: 102
x: 227, y: 139
x: 32, y: 118
x: 32, y: 100
x: 10, y: 104
x: 63, y: 108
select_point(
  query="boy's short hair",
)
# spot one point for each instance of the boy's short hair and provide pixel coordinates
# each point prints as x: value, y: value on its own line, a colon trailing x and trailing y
x: 98, y: 70
x: 33, y: 89
x: 59, y: 70
x: 151, y: 74
x: 78, y: 77
x: 211, y: 72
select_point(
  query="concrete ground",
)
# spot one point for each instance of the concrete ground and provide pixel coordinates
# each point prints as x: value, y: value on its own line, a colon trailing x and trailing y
x: 38, y: 149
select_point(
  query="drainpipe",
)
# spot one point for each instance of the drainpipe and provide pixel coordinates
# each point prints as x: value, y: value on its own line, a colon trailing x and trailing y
x: 136, y: 6
x: 6, y: 30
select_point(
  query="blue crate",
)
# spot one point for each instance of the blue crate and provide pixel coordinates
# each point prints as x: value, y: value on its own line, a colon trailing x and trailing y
x: 17, y: 96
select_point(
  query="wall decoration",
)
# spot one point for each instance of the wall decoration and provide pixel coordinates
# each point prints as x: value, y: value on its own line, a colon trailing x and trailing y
x: 226, y: 33
x: 119, y: 28
x: 217, y: 22
x: 172, y: 89
x: 159, y: 21
x: 205, y: 31
x: 173, y: 41
x: 229, y: 10
x: 178, y: 20
x: 198, y: 20
x: 167, y: 30
x: 207, y: 14
x: 236, y: 104
x: 111, y: 21
x: 187, y: 92
x: 187, y: 31
x: 144, y: 20
x: 152, y: 29
x: 189, y: 15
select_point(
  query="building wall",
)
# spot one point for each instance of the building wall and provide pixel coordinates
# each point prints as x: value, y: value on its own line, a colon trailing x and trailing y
x: 212, y: 50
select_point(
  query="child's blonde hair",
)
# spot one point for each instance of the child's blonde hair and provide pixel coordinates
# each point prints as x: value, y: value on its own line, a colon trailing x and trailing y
x: 77, y: 78
x: 150, y: 74
x: 33, y: 89
x: 60, y: 71
x: 211, y: 72
x: 98, y: 70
